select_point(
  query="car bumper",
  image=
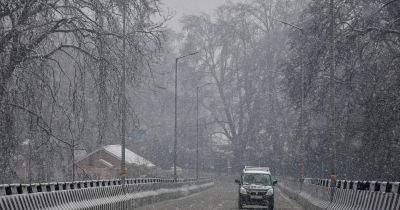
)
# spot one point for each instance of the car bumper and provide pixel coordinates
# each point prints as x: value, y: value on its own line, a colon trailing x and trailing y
x: 250, y: 200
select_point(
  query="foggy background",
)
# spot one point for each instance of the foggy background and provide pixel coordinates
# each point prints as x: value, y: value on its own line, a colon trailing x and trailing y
x: 300, y: 86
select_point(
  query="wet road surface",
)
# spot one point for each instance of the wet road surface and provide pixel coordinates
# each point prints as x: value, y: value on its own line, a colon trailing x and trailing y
x: 222, y: 196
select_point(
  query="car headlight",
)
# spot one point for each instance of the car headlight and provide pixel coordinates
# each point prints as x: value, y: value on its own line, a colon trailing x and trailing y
x: 242, y: 191
x: 270, y: 192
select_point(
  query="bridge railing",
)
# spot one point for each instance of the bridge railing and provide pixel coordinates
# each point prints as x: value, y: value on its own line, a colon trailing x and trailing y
x: 346, y: 194
x: 96, y: 194
x: 13, y: 189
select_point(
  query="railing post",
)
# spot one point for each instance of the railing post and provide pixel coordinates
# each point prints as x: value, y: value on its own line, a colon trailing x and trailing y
x: 355, y: 185
x: 383, y: 187
x: 2, y: 189
x: 35, y: 187
x: 395, y: 187
x: 24, y: 188
x: 372, y: 186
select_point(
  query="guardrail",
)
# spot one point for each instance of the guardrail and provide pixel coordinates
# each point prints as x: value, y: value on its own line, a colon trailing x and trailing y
x: 12, y: 189
x: 96, y: 194
x: 374, y: 186
x: 346, y: 194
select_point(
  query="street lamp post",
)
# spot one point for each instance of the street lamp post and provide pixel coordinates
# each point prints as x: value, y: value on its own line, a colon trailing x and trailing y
x: 197, y: 133
x: 331, y: 126
x: 176, y: 116
x: 332, y: 85
x: 302, y: 95
x: 123, y: 97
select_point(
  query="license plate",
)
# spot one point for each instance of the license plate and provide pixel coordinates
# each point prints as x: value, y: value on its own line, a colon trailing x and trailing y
x: 256, y: 197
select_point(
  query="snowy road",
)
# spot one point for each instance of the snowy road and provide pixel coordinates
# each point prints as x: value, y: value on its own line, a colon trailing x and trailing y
x: 222, y: 196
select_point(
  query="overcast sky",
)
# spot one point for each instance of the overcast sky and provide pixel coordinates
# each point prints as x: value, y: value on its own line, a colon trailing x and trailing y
x: 188, y: 7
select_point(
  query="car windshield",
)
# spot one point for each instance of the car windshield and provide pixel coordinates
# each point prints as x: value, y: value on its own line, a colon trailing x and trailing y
x: 262, y: 179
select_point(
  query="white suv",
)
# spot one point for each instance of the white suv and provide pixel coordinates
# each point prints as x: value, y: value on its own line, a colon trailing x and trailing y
x: 256, y: 187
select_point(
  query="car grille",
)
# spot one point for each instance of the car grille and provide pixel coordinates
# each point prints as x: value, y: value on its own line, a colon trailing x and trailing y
x: 258, y: 193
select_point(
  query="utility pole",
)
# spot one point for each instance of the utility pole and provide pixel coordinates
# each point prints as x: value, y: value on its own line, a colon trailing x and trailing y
x: 73, y: 158
x: 176, y: 118
x: 73, y: 162
x: 332, y: 86
x: 197, y: 132
x: 102, y: 77
x: 302, y: 139
x: 302, y: 113
x: 176, y: 112
x: 301, y: 124
x: 123, y: 95
x: 332, y: 127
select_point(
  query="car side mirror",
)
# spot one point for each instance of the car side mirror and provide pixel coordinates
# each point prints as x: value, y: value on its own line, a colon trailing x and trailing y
x: 237, y: 181
x: 274, y: 182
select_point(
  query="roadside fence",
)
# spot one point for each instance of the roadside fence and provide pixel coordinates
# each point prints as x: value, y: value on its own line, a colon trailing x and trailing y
x: 315, y: 194
x: 96, y: 194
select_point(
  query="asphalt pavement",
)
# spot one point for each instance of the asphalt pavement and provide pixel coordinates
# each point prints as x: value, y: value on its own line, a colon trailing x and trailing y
x: 222, y: 196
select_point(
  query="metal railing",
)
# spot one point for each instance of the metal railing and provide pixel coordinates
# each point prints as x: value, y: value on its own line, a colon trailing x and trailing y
x: 97, y: 194
x: 348, y: 194
x: 13, y: 189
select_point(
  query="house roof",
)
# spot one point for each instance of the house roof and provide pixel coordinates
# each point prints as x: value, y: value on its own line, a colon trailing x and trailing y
x: 130, y: 157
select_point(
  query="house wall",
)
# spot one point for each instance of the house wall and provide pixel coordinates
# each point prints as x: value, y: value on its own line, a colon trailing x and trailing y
x: 92, y: 166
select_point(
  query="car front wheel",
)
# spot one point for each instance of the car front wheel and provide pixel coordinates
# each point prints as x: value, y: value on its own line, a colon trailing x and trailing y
x: 271, y: 205
x: 240, y: 204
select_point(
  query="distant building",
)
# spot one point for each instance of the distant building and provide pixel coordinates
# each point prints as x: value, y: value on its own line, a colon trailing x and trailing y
x: 104, y: 163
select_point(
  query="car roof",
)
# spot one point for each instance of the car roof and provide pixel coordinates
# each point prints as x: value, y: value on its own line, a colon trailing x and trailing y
x: 256, y: 170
